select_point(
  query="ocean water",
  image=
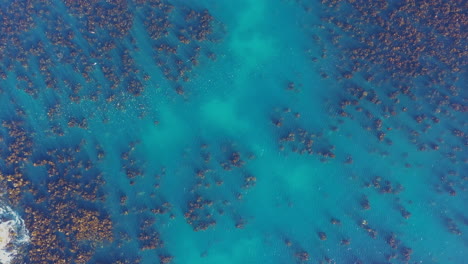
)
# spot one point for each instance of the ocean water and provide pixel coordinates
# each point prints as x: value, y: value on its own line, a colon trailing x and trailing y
x: 247, y: 131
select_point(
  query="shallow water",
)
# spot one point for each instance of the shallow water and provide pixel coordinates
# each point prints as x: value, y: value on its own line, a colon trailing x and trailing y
x: 225, y: 140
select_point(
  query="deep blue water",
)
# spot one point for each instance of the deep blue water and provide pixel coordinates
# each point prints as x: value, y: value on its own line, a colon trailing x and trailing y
x: 234, y: 147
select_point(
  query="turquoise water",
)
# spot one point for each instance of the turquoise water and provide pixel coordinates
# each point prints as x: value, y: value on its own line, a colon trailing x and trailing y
x: 236, y: 137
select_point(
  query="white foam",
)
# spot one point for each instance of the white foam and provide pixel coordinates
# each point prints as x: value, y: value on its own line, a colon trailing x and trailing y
x: 13, y: 234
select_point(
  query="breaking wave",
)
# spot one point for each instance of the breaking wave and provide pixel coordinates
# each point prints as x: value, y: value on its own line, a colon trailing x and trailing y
x: 13, y: 234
